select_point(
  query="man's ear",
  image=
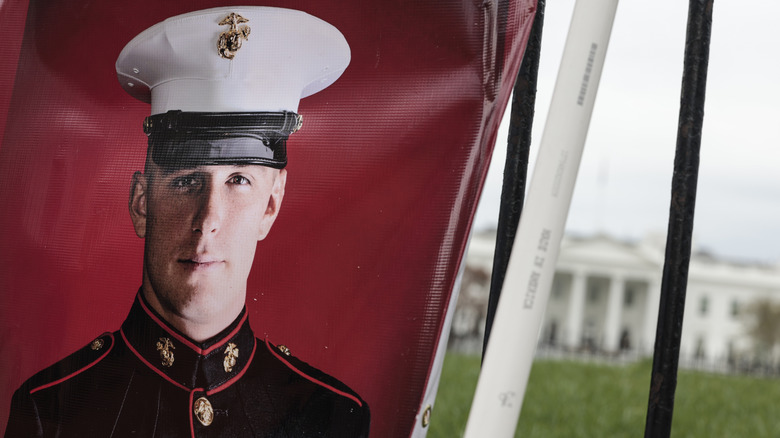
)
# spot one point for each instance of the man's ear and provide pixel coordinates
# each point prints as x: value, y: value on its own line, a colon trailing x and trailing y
x: 137, y: 203
x: 274, y: 204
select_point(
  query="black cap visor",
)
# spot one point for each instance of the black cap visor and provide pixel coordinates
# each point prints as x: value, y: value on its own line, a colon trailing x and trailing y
x: 187, y: 139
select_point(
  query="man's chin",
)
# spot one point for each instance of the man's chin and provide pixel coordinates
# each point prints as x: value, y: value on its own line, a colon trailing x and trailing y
x: 203, y: 279
x: 204, y: 301
x: 207, y: 290
x: 198, y: 290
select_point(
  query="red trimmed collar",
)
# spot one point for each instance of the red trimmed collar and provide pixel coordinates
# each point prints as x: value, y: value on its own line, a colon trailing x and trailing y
x: 185, y: 363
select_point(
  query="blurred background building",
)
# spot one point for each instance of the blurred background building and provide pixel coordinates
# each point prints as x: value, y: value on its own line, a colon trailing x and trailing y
x: 604, y: 302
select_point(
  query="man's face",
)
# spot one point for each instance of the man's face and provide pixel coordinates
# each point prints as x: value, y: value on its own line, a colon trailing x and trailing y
x: 201, y: 227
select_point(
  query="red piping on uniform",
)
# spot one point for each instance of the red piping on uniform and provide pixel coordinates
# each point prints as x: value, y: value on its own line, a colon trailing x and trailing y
x: 310, y: 378
x: 186, y: 341
x: 237, y: 376
x: 163, y: 375
x: 77, y: 372
x: 228, y: 337
x: 191, y: 408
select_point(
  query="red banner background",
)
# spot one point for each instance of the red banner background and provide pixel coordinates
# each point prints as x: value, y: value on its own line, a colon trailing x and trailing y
x: 383, y: 182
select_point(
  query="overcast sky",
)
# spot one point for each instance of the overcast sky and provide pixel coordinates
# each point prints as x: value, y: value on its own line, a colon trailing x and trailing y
x: 624, y: 183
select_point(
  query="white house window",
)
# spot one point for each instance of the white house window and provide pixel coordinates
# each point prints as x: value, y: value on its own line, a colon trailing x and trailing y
x: 704, y: 305
x: 593, y: 294
x: 557, y: 289
x: 628, y: 297
x: 700, y: 351
x: 735, y: 308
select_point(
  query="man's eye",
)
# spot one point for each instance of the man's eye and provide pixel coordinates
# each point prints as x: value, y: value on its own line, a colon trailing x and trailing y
x: 186, y: 182
x: 239, y: 180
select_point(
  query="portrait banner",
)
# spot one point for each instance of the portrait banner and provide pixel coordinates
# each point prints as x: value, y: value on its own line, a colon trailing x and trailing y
x: 383, y: 174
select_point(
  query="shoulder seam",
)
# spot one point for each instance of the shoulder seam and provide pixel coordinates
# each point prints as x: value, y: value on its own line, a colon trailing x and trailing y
x: 310, y: 378
x: 80, y: 370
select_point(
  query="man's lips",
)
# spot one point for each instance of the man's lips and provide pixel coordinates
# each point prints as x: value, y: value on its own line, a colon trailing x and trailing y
x: 201, y: 261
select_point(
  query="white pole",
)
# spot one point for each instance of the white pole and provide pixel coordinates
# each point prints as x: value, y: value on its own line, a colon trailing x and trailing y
x: 510, y: 352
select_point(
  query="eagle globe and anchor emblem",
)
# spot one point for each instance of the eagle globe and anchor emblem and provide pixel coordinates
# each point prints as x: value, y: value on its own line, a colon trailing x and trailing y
x: 230, y: 40
x: 165, y: 347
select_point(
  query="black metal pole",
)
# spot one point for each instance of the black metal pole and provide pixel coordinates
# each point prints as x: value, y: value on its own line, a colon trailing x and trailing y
x: 678, y: 242
x: 516, y: 166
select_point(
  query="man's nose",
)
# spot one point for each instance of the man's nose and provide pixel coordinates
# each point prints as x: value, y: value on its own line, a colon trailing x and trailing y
x: 209, y: 214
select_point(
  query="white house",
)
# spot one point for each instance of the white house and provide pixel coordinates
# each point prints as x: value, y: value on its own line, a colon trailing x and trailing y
x: 606, y: 293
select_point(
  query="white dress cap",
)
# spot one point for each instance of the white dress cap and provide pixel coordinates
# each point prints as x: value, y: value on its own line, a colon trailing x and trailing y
x: 283, y: 55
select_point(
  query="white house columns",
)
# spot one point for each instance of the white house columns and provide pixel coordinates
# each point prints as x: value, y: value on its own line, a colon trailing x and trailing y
x: 606, y: 293
x: 651, y: 315
x: 576, y: 309
x: 605, y: 311
x: 612, y: 321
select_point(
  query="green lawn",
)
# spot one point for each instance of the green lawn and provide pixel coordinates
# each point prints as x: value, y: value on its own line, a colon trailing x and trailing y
x: 572, y: 399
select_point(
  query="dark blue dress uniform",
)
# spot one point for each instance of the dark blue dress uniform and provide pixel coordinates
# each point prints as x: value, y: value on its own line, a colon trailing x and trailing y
x: 210, y: 105
x: 149, y: 380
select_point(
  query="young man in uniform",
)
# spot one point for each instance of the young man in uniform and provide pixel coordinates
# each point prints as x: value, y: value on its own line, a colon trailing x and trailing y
x: 185, y: 361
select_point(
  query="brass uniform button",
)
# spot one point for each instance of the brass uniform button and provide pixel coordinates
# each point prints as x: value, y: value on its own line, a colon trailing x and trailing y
x: 284, y: 350
x: 203, y: 411
x: 97, y: 344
